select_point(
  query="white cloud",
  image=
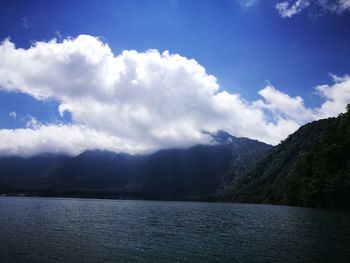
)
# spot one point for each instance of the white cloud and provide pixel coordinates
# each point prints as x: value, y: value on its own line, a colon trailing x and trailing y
x: 337, y: 96
x: 284, y: 106
x: 344, y: 5
x: 32, y: 122
x: 68, y: 139
x: 136, y: 102
x: 290, y: 8
x: 13, y: 115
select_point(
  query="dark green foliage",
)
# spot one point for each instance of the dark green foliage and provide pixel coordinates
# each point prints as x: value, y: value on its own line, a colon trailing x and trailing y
x: 310, y: 168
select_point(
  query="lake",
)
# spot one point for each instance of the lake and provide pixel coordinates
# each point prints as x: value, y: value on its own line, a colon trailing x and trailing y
x: 89, y: 230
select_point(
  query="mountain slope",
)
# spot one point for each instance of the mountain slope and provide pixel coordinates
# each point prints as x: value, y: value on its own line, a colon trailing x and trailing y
x: 310, y: 168
x: 193, y: 173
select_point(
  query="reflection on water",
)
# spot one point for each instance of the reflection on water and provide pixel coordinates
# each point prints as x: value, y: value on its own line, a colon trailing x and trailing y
x: 86, y: 230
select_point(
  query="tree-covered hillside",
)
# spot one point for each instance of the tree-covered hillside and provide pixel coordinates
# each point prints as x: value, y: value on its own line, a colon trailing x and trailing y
x: 310, y: 168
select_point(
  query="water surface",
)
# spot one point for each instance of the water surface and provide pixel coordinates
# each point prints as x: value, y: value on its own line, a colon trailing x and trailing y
x: 87, y: 230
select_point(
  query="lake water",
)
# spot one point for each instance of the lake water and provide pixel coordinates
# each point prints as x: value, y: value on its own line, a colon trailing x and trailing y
x: 87, y: 230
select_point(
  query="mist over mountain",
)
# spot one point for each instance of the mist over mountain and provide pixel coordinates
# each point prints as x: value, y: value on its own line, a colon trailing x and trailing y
x: 193, y: 173
x: 310, y: 168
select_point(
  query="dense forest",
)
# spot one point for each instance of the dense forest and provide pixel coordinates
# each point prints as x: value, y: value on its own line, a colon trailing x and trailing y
x: 310, y: 168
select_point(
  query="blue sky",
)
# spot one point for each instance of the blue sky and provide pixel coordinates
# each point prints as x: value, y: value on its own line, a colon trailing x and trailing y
x: 245, y: 44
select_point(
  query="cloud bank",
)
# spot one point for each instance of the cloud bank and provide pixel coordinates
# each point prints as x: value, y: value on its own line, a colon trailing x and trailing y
x: 139, y: 102
x: 289, y: 8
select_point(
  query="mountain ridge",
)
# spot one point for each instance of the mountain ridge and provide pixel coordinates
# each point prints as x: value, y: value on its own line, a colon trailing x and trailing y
x: 193, y: 173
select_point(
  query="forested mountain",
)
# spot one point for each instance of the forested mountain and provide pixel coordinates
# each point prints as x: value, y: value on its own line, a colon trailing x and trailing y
x: 310, y: 168
x: 180, y: 174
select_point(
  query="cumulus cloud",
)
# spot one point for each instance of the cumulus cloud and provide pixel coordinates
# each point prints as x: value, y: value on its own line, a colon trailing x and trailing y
x: 281, y: 105
x: 284, y: 106
x: 138, y: 102
x: 337, y: 96
x: 290, y: 8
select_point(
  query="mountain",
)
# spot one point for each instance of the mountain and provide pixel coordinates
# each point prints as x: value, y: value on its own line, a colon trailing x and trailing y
x: 310, y: 168
x: 194, y: 173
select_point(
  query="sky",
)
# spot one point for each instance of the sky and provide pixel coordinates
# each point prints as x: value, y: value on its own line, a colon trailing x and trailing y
x: 139, y: 76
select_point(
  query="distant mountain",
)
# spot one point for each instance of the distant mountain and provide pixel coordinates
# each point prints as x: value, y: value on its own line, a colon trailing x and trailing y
x: 195, y: 173
x: 310, y: 168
